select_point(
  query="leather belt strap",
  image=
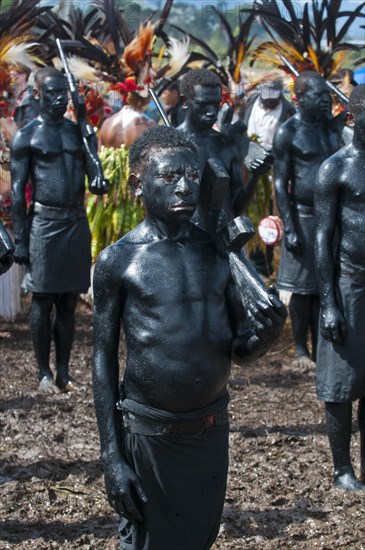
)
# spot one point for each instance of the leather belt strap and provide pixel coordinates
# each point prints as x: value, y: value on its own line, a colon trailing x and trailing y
x: 58, y: 212
x: 137, y: 425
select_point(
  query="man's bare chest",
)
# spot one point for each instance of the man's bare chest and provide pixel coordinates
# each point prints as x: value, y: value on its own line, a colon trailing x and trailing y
x: 178, y: 273
x: 353, y: 183
x: 50, y: 141
x: 314, y: 144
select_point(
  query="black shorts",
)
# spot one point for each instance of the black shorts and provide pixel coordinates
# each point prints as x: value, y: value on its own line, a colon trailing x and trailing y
x: 341, y: 367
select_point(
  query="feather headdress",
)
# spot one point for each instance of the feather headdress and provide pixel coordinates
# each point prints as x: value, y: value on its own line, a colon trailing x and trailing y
x: 16, y: 41
x: 16, y: 37
x: 79, y: 67
x: 178, y: 54
x: 102, y: 43
x: 229, y: 66
x: 309, y: 43
x: 138, y: 52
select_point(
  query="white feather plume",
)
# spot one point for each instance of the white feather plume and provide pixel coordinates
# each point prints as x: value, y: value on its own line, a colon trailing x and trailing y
x: 18, y: 55
x: 178, y: 51
x: 79, y: 68
x: 82, y: 70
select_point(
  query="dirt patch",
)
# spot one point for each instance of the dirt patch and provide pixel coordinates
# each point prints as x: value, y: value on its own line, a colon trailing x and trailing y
x: 279, y: 489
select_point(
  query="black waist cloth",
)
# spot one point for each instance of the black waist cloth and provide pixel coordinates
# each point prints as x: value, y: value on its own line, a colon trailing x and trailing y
x: 184, y: 477
x: 59, y: 251
x: 297, y: 272
x: 341, y: 367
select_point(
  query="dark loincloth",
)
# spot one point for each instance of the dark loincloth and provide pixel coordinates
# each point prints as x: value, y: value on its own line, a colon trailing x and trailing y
x: 59, y: 251
x: 184, y: 477
x: 341, y: 367
x: 297, y: 272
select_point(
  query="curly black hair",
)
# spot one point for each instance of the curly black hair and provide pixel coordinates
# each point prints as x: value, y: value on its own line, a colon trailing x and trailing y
x: 357, y: 100
x: 45, y: 72
x: 301, y: 83
x: 158, y: 137
x: 195, y: 77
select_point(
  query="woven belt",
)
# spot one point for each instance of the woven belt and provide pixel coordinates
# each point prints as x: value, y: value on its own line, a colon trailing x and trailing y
x: 58, y: 212
x: 137, y: 425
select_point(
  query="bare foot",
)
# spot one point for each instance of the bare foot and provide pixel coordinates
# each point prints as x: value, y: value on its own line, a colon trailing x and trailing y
x: 67, y: 385
x: 304, y: 363
x: 348, y: 482
x: 72, y: 386
x: 46, y: 385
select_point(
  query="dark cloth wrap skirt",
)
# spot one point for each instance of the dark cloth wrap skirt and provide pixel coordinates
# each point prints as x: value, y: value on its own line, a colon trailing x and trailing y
x: 184, y: 477
x: 341, y: 367
x: 297, y: 272
x: 59, y: 251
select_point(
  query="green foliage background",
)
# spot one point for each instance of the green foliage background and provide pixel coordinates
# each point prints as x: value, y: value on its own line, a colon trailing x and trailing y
x: 114, y: 214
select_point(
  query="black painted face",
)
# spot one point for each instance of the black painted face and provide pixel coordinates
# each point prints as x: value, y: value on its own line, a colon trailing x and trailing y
x: 54, y: 95
x: 317, y: 100
x: 171, y: 185
x: 204, y: 107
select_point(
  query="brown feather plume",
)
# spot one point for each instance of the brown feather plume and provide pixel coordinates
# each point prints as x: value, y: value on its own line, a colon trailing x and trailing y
x: 138, y: 51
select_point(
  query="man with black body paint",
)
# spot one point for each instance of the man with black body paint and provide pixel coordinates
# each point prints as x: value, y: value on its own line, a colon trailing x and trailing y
x: 300, y: 145
x: 202, y: 92
x: 49, y: 152
x: 166, y: 462
x: 340, y: 263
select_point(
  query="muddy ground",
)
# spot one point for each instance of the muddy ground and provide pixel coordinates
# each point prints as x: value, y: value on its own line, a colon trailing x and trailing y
x: 279, y: 489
